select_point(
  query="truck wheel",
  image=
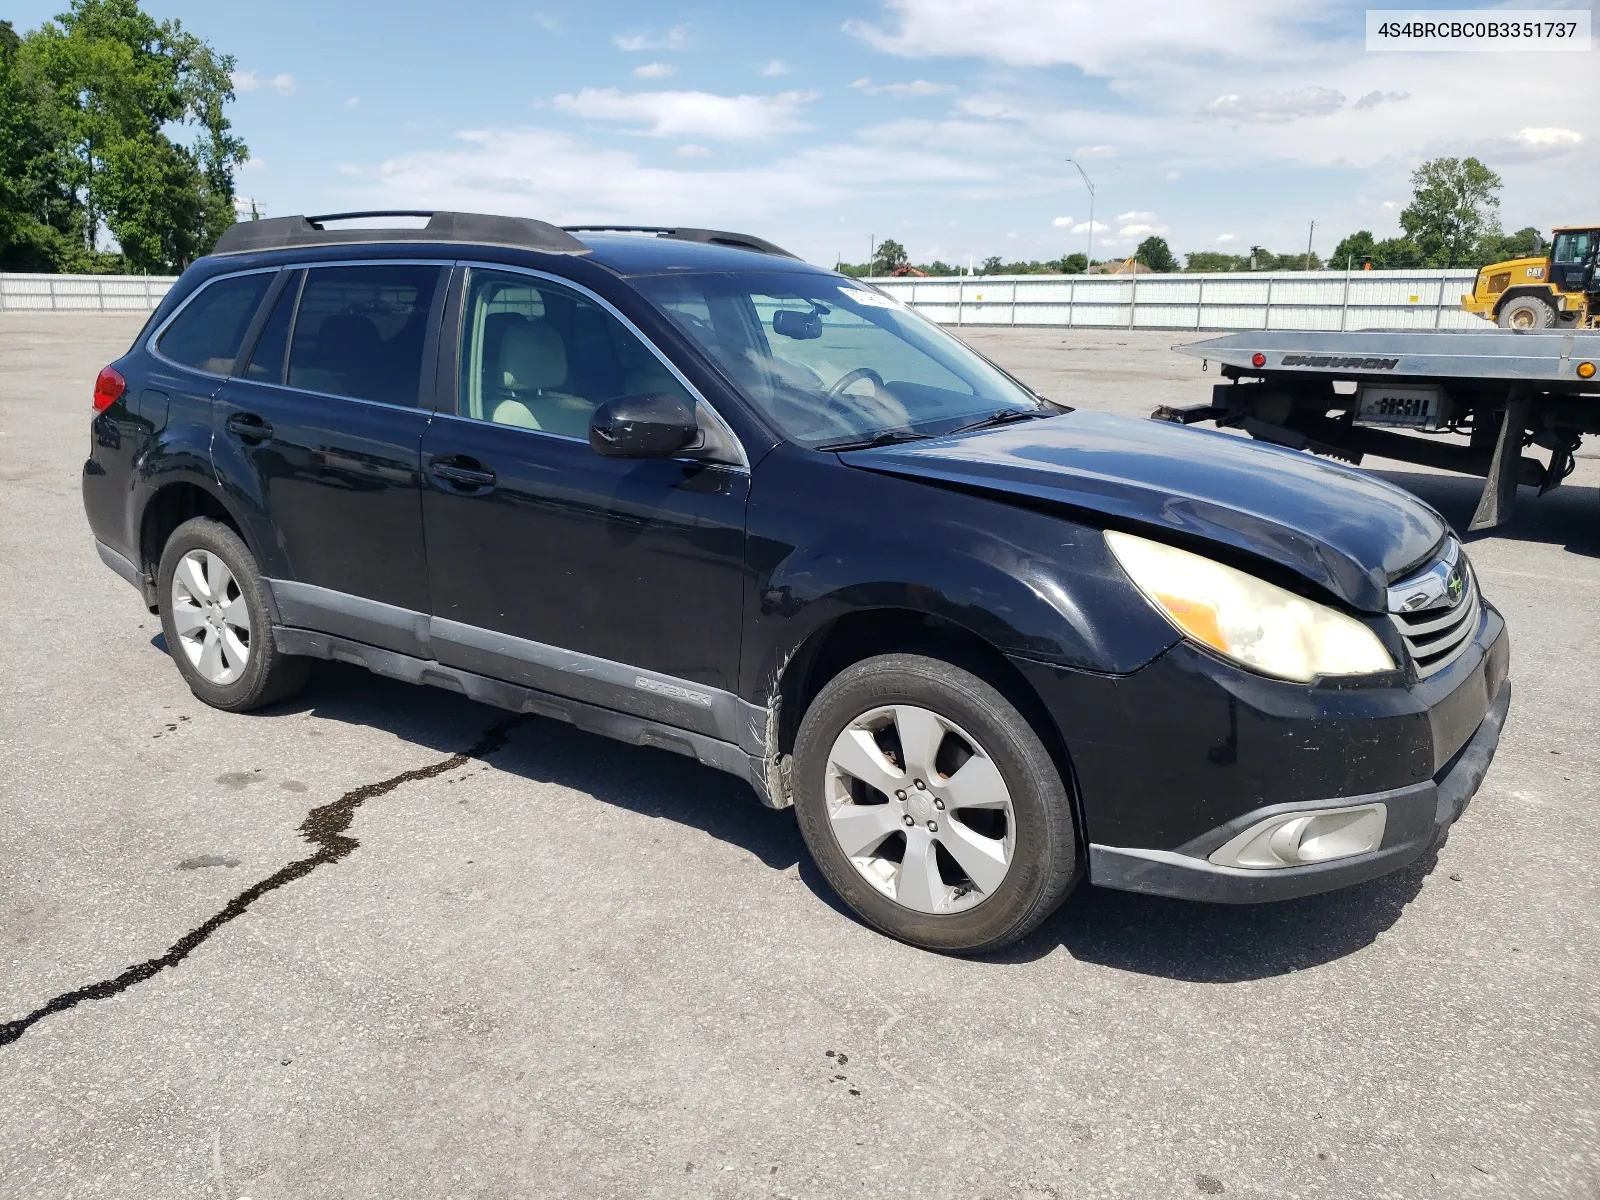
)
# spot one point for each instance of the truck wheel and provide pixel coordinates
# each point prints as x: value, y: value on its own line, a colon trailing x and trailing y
x: 217, y: 623
x: 1526, y: 312
x: 932, y: 806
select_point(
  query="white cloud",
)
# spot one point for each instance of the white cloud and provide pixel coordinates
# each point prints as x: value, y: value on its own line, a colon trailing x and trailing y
x: 1095, y: 152
x: 1140, y: 229
x: 1062, y: 222
x: 1225, y: 238
x: 776, y: 67
x: 254, y: 163
x: 691, y: 114
x: 1100, y: 39
x: 556, y: 177
x: 1391, y: 204
x: 917, y: 87
x: 1083, y: 227
x: 352, y: 101
x: 1552, y: 138
x: 546, y: 22
x: 654, y: 70
x: 676, y: 38
x: 690, y: 150
x: 1173, y: 175
x: 1375, y: 98
x: 1138, y: 216
x: 254, y: 81
x: 1276, y: 106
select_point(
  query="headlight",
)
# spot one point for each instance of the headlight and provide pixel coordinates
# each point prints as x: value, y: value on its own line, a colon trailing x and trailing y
x: 1247, y: 619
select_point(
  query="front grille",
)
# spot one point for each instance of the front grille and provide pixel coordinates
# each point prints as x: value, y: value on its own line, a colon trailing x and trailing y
x: 1436, y: 621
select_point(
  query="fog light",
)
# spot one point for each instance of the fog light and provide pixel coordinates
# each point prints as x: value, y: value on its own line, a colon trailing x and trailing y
x: 1295, y: 839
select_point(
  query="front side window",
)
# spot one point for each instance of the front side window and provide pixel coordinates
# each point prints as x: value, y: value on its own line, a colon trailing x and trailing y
x: 360, y: 331
x: 207, y: 332
x: 1573, y: 247
x: 537, y: 355
x: 831, y: 363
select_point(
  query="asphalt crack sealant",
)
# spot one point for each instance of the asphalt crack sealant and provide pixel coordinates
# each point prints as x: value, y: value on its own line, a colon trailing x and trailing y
x: 326, y: 828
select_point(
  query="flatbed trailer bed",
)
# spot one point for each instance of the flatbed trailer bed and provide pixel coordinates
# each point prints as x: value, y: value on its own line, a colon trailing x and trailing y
x: 1393, y: 393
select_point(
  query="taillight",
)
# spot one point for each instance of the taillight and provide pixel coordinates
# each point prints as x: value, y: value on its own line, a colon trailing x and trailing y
x: 108, y: 388
x: 1256, y: 360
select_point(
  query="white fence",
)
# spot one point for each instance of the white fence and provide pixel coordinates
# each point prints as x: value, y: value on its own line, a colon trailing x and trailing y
x: 1262, y: 300
x: 82, y: 293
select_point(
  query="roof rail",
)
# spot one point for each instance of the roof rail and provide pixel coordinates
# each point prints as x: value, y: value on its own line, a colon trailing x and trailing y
x: 283, y: 233
x: 710, y: 237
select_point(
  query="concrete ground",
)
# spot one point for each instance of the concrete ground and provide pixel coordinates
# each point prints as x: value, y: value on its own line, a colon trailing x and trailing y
x: 557, y: 966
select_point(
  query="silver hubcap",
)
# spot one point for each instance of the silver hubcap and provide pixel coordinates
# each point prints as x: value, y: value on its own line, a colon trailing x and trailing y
x: 211, y: 617
x: 920, y: 809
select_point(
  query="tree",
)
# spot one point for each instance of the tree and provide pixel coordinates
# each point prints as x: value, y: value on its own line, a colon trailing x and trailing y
x: 1454, y: 203
x: 1355, y: 251
x: 106, y: 86
x: 1154, y: 253
x: 889, y: 258
x: 1073, y: 264
x: 1524, y: 243
x: 1397, y: 254
x: 991, y: 265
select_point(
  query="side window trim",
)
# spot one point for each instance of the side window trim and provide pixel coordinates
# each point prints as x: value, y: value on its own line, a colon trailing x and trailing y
x: 459, y: 314
x: 152, y: 342
x: 252, y: 333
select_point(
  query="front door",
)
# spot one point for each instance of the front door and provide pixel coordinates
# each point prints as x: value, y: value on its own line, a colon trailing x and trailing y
x: 323, y: 426
x: 614, y: 581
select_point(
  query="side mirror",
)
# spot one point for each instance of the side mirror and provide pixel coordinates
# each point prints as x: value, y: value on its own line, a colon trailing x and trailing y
x: 801, y: 326
x: 644, y: 426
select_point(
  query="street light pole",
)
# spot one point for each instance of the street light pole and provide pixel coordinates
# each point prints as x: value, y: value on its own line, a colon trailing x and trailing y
x: 1088, y: 247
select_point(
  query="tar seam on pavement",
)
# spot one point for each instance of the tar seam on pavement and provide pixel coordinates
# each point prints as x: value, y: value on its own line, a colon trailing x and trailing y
x: 323, y: 827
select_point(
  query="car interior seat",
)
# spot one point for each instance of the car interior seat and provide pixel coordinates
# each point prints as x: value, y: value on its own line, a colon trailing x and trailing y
x: 531, y: 368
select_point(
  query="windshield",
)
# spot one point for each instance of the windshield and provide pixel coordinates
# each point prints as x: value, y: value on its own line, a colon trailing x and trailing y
x: 833, y: 364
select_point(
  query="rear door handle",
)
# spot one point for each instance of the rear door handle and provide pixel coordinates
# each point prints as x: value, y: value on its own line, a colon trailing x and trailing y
x: 248, y: 427
x: 461, y: 473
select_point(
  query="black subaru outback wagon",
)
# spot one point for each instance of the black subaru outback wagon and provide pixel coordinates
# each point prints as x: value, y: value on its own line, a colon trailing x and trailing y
x: 680, y: 488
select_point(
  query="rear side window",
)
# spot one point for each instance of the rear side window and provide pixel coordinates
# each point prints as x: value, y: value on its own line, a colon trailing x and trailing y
x: 206, y: 333
x: 360, y: 331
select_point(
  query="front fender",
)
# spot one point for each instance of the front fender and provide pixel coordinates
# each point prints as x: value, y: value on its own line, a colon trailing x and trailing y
x: 827, y: 540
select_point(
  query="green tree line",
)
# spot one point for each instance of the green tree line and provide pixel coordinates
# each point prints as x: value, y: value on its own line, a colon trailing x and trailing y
x: 88, y: 106
x: 1451, y: 221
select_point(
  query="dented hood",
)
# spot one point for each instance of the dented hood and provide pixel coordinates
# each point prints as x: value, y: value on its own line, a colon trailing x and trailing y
x: 1347, y: 531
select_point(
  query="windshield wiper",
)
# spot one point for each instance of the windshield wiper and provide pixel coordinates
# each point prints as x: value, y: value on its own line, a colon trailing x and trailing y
x: 885, y: 437
x: 1004, y: 416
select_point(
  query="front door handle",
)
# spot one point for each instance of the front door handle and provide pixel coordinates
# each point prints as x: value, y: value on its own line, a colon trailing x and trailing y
x: 248, y: 427
x: 461, y: 473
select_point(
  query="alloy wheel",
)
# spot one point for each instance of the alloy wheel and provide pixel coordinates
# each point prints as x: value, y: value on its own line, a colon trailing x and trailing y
x: 211, y: 617
x: 920, y: 809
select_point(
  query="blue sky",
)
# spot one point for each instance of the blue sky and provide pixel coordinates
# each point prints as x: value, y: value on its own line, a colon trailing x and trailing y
x: 941, y: 123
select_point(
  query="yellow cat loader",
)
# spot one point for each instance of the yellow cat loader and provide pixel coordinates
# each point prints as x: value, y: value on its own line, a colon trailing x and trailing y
x: 1562, y: 289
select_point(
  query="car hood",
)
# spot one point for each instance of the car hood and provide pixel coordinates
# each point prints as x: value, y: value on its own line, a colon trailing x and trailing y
x: 1345, y: 530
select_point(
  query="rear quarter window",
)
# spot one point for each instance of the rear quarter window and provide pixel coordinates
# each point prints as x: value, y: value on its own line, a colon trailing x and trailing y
x: 207, y: 331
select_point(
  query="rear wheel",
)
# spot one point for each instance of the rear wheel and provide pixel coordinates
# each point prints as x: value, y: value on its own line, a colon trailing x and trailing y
x: 1526, y: 312
x: 215, y: 617
x: 932, y: 806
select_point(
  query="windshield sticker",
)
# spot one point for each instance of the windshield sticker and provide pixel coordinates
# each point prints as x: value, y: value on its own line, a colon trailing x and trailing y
x: 870, y: 299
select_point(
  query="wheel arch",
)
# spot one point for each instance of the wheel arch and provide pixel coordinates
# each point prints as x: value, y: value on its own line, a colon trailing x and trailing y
x: 1525, y: 291
x: 171, y: 504
x: 850, y: 637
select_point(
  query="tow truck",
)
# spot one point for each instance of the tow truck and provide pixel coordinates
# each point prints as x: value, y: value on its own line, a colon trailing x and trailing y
x: 1401, y: 395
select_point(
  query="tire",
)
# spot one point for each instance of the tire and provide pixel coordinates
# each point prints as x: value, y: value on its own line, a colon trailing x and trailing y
x: 1024, y: 862
x: 1526, y: 312
x: 217, y: 622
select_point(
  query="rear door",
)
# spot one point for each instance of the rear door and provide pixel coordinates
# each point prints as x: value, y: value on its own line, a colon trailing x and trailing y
x: 320, y: 432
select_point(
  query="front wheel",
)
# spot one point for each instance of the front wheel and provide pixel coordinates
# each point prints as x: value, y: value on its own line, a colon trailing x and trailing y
x: 932, y: 806
x: 215, y: 618
x: 1526, y: 312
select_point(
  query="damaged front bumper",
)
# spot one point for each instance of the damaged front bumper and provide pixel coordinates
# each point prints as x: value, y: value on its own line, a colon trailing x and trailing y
x: 1191, y: 767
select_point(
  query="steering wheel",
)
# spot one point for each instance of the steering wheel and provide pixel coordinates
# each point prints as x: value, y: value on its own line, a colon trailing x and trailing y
x: 837, y: 390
